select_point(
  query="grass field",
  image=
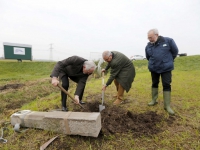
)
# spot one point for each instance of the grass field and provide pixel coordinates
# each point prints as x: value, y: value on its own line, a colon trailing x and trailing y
x: 27, y: 85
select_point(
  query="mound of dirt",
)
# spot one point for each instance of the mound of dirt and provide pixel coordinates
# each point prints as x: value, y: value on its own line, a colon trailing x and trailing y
x: 117, y: 120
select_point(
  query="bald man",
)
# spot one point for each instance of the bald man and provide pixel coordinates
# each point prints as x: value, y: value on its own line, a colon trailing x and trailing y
x: 161, y: 52
x: 122, y: 72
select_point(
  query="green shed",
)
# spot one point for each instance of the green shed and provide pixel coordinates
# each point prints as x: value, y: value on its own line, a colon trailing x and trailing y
x: 17, y: 51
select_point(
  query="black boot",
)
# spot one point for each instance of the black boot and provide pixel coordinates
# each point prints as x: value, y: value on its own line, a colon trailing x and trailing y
x: 81, y: 102
x: 64, y: 109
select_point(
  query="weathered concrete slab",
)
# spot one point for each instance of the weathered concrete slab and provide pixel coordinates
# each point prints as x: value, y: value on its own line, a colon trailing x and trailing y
x: 76, y: 123
x: 85, y: 124
x: 18, y: 117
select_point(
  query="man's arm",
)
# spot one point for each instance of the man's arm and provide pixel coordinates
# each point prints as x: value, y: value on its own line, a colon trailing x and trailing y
x: 107, y: 67
x: 81, y: 86
x: 147, y: 56
x: 56, y: 70
x: 114, y: 72
x: 58, y: 67
x: 174, y: 48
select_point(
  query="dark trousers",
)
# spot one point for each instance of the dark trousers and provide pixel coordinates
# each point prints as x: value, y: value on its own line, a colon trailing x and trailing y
x: 166, y: 80
x: 65, y: 85
x: 76, y: 80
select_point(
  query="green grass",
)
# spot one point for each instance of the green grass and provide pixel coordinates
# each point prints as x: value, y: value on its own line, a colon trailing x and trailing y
x: 18, y: 72
x: 38, y: 94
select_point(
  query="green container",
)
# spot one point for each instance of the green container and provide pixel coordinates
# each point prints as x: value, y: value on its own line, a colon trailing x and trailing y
x: 17, y: 51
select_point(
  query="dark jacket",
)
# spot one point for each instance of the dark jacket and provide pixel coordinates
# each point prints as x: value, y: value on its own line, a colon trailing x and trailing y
x: 73, y: 68
x: 122, y: 70
x: 161, y: 55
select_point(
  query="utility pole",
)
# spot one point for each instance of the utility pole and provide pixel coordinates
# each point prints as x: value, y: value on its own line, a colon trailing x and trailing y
x: 51, y: 51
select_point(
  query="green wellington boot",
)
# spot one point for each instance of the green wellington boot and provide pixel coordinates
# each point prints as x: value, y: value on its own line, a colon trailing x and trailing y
x: 167, y: 99
x: 154, y: 97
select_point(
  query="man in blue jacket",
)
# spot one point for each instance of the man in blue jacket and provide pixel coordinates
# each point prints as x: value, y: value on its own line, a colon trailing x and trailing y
x: 161, y: 52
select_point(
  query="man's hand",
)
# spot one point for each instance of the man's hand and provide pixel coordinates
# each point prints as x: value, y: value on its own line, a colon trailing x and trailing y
x: 77, y: 99
x: 104, y: 88
x: 54, y: 81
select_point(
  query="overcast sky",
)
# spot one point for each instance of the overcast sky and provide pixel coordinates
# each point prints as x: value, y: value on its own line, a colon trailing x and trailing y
x: 88, y: 27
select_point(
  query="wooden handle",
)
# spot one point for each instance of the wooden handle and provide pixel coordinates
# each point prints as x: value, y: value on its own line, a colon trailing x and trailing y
x: 69, y: 95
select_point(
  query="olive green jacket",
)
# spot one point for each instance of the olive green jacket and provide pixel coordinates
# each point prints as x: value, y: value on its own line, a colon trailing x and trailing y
x: 122, y: 69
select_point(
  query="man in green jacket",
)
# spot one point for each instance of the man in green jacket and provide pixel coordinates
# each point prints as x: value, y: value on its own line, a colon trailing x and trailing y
x: 122, y: 72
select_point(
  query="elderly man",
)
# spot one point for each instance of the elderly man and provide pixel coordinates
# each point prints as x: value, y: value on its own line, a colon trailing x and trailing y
x: 161, y: 52
x: 122, y: 72
x: 77, y: 69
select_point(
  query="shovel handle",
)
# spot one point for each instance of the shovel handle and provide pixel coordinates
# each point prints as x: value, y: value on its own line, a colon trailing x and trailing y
x: 102, y: 78
x: 69, y: 95
x: 102, y: 95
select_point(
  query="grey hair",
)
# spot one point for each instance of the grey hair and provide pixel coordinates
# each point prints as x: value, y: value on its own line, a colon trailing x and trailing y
x: 106, y: 54
x: 89, y: 65
x: 155, y: 31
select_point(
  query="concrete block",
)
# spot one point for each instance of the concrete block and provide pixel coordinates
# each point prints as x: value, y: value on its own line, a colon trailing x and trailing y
x: 18, y: 117
x: 71, y: 123
x: 85, y: 124
x: 56, y: 122
x: 35, y: 119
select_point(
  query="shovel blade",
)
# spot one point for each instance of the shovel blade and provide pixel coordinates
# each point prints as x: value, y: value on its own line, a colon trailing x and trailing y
x: 101, y: 107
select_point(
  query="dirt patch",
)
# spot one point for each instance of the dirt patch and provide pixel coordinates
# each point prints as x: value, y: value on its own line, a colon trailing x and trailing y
x: 15, y: 95
x: 19, y: 85
x: 11, y: 86
x: 117, y: 120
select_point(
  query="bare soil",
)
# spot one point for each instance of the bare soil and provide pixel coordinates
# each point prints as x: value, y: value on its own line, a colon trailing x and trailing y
x: 11, y: 86
x: 117, y: 120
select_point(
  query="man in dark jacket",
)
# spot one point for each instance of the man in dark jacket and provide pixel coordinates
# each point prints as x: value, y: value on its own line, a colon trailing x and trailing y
x: 161, y: 52
x: 77, y: 69
x: 122, y: 72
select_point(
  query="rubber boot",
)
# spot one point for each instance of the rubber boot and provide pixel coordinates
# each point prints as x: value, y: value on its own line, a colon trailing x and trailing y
x: 120, y: 95
x: 114, y: 96
x: 154, y: 93
x: 167, y: 99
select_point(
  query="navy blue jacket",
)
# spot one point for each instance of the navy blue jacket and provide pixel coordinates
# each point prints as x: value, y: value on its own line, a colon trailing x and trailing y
x: 161, y: 55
